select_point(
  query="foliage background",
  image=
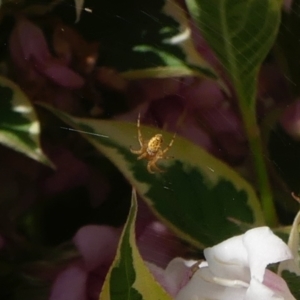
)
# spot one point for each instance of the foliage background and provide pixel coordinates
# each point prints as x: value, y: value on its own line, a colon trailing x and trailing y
x: 75, y: 76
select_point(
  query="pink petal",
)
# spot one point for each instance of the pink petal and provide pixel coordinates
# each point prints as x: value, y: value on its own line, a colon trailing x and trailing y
x: 70, y: 284
x: 257, y: 290
x: 159, y: 275
x: 222, y: 119
x: 153, y: 89
x: 192, y: 131
x: 29, y: 51
x: 174, y: 277
x: 97, y: 244
x: 277, y: 284
x: 144, y: 217
x: 273, y: 287
x: 62, y: 75
x: 96, y: 280
x: 158, y: 245
x: 179, y: 272
x: 290, y: 120
x: 27, y: 42
x: 287, y: 5
x: 205, y: 93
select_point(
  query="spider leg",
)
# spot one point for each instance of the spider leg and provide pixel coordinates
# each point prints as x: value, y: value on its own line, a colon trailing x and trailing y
x: 140, y: 137
x: 136, y: 151
x: 151, y: 167
x: 143, y: 155
x: 155, y: 167
x: 170, y: 145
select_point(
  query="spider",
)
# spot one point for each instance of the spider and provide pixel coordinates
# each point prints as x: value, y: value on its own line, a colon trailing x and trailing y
x: 151, y: 149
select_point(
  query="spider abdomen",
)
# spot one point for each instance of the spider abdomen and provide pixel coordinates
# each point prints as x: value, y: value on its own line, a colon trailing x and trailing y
x: 154, y: 144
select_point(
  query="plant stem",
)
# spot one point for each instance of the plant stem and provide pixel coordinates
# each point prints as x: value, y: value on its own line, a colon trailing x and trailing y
x: 257, y: 151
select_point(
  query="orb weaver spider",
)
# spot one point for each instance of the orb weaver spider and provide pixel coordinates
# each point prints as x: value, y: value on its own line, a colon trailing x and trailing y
x: 151, y: 150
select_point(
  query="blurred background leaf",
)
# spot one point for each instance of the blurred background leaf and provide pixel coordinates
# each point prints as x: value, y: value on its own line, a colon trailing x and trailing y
x: 140, y: 39
x: 19, y: 125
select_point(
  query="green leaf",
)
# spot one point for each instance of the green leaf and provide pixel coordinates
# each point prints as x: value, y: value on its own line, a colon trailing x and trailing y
x: 241, y: 33
x: 19, y: 126
x: 144, y: 38
x: 199, y: 197
x: 128, y: 277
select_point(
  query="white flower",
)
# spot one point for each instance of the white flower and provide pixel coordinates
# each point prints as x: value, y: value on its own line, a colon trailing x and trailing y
x: 236, y: 269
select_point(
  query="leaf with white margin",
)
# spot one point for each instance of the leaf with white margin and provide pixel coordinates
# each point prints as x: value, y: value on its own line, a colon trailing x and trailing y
x: 199, y: 197
x: 19, y: 125
x: 128, y: 277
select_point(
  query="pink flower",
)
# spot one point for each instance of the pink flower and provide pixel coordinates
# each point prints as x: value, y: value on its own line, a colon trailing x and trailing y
x: 290, y: 120
x: 287, y: 4
x: 97, y: 246
x: 158, y: 245
x: 29, y: 52
x: 175, y: 276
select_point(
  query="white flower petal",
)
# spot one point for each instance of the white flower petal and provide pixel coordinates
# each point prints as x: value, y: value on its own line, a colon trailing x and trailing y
x: 200, y: 287
x: 236, y: 269
x: 264, y: 248
x: 229, y: 259
x: 258, y: 290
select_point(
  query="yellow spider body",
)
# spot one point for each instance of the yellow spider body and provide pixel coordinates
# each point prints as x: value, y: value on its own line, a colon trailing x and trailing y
x: 154, y: 144
x: 151, y: 150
